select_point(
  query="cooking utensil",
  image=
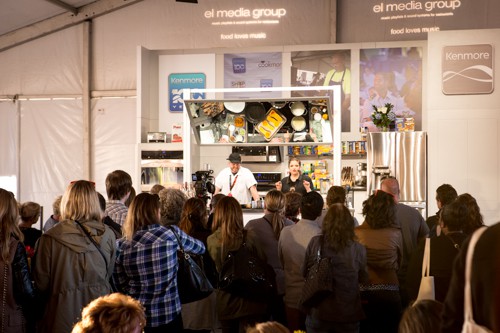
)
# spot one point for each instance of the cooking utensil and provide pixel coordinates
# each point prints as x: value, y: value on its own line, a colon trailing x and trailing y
x: 255, y: 112
x: 298, y: 123
x: 279, y: 104
x: 298, y: 108
x: 271, y: 124
x: 235, y: 107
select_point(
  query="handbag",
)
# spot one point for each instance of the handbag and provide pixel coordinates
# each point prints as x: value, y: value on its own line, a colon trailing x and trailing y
x: 470, y: 325
x: 426, y: 290
x: 245, y: 275
x: 318, y: 284
x: 192, y: 283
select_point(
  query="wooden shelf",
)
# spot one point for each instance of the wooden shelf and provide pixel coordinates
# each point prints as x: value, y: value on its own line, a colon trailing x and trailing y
x: 354, y: 156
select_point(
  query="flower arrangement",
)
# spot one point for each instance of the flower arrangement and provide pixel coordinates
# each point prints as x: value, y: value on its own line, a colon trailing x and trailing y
x: 382, y: 116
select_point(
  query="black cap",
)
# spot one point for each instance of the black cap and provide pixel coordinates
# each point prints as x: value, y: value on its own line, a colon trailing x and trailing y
x: 234, y: 158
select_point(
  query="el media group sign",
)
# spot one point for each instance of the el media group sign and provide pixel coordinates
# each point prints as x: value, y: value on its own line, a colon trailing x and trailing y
x: 467, y: 69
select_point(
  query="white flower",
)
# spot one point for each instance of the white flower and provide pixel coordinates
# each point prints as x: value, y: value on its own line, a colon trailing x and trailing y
x: 383, y: 110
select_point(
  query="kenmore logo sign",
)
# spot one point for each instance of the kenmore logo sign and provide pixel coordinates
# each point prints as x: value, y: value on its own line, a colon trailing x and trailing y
x: 177, y: 82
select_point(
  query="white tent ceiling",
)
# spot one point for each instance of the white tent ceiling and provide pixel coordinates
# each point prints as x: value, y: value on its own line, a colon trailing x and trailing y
x: 25, y: 20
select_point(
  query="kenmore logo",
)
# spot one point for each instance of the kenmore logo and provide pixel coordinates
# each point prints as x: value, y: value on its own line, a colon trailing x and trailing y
x: 239, y: 65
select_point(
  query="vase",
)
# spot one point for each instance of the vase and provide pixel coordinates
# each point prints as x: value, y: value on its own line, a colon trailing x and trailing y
x: 384, y: 129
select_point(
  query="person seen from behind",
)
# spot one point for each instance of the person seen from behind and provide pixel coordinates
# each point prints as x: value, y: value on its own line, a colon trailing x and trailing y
x: 341, y: 311
x: 113, y: 313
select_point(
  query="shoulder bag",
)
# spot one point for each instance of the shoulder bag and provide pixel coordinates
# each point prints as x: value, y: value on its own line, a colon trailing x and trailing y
x: 192, y: 283
x: 318, y: 284
x: 426, y: 290
x: 470, y: 325
x: 245, y: 275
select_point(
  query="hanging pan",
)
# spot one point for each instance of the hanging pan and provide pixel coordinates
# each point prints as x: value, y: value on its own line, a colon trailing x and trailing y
x: 255, y: 112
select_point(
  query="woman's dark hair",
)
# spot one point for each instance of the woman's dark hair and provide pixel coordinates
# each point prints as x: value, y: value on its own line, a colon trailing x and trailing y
x: 338, y: 227
x: 311, y: 205
x: 474, y: 217
x: 446, y: 194
x: 194, y: 216
x: 336, y: 194
x: 292, y: 205
x: 380, y: 210
x: 454, y: 216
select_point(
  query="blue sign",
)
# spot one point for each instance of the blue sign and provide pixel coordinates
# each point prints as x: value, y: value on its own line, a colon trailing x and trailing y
x: 179, y: 81
x: 239, y: 65
x: 266, y: 83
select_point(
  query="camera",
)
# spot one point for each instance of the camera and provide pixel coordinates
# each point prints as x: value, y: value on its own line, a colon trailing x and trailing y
x: 204, y: 184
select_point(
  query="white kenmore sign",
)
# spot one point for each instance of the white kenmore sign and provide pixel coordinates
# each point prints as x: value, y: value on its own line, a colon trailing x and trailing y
x: 467, y: 69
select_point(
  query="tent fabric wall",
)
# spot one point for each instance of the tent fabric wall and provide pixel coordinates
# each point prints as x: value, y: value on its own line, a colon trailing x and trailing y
x: 51, y: 154
x: 9, y: 145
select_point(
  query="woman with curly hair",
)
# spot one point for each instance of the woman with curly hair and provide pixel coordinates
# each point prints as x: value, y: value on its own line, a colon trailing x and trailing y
x: 381, y: 236
x: 269, y: 229
x: 115, y: 313
x: 171, y: 202
x: 235, y: 312
x: 341, y: 311
x: 474, y: 218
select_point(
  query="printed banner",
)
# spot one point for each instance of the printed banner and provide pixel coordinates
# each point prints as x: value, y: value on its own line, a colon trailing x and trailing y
x: 179, y: 81
x: 253, y: 70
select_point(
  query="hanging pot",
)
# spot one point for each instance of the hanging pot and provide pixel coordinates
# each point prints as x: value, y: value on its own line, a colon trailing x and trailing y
x: 255, y: 112
x: 279, y: 104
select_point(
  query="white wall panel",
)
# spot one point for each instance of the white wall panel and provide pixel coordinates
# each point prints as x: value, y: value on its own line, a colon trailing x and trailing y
x: 113, y: 139
x: 464, y: 140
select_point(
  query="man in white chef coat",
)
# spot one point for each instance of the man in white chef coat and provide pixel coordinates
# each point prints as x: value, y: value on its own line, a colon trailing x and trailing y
x: 237, y: 181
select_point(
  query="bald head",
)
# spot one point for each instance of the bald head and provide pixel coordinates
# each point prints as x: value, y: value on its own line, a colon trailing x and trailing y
x: 391, y: 185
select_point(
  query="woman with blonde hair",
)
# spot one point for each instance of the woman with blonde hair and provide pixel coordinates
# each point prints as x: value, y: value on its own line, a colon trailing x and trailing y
x: 15, y: 285
x: 74, y: 259
x: 115, y: 313
x: 235, y: 312
x: 269, y: 229
x: 146, y: 263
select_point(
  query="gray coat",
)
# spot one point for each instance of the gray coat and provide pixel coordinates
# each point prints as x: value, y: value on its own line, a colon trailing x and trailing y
x: 69, y: 271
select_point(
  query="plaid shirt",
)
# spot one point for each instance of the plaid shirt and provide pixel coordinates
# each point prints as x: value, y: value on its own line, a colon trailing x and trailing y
x: 146, y: 269
x: 117, y: 211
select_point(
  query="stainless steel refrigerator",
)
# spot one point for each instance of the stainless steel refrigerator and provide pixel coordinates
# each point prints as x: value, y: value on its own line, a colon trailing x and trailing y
x: 402, y: 155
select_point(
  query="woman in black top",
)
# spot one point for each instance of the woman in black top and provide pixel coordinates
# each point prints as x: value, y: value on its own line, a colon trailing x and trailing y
x: 296, y: 181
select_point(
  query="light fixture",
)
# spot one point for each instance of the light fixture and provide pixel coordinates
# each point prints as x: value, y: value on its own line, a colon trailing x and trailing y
x: 188, y: 1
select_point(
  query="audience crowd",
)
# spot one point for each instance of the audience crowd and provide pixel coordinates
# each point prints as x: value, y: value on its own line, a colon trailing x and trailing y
x: 111, y: 265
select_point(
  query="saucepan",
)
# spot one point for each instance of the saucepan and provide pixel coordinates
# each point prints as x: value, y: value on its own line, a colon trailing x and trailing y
x: 298, y: 108
x: 298, y: 123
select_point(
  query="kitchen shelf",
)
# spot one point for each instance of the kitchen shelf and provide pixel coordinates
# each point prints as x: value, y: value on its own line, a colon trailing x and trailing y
x: 354, y: 156
x: 311, y: 156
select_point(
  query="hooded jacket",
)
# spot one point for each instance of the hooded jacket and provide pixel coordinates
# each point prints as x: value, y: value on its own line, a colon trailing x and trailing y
x: 69, y: 271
